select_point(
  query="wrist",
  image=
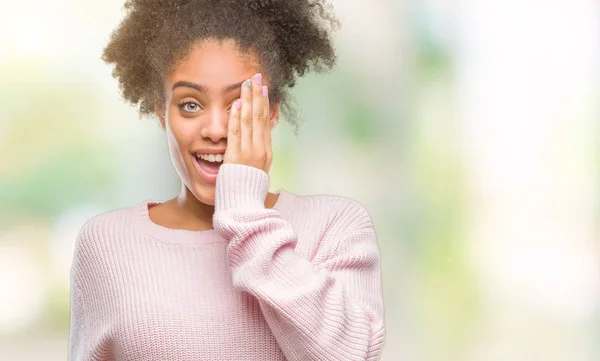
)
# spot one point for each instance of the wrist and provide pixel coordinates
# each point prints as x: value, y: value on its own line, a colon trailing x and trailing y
x: 240, y: 186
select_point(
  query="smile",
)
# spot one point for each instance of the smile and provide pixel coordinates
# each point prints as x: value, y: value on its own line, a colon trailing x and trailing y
x: 207, y: 166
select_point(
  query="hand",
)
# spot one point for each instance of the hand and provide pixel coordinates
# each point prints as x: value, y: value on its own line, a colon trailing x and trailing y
x: 249, y: 129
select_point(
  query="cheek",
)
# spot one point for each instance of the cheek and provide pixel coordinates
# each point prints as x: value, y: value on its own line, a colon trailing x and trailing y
x: 182, y: 131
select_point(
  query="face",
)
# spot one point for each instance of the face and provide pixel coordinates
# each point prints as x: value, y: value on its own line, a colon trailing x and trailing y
x: 198, y: 96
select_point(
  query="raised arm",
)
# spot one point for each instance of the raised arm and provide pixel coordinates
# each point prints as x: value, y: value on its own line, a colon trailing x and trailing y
x: 329, y: 308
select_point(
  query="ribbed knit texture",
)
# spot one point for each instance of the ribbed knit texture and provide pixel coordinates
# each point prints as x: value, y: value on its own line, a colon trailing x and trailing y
x: 300, y: 281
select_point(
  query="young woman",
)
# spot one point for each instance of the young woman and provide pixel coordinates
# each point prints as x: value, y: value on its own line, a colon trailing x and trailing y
x: 225, y: 270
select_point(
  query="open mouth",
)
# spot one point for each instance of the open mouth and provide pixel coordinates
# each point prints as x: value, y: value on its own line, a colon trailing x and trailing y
x: 208, y: 165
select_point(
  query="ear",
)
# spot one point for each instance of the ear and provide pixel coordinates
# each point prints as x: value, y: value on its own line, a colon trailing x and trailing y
x: 159, y: 109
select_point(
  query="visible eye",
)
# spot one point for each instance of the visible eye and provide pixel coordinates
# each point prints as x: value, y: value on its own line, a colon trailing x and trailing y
x: 190, y: 107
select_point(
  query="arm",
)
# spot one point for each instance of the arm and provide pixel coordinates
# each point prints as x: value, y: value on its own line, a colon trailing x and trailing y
x: 77, y: 327
x: 330, y: 309
x: 87, y: 331
x: 78, y: 315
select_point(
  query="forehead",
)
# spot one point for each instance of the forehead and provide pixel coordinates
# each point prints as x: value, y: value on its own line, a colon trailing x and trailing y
x: 214, y: 63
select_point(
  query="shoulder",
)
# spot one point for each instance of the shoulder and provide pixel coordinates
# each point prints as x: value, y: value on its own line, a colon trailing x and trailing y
x: 100, y: 233
x: 332, y: 227
x: 107, y: 223
x: 343, y: 211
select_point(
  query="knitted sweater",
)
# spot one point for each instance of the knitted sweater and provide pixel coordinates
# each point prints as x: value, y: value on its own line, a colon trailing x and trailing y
x: 299, y: 281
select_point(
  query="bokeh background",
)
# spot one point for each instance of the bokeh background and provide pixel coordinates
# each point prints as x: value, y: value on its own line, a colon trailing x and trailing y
x: 469, y: 129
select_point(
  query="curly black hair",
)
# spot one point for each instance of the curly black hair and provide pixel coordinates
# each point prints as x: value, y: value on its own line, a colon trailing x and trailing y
x: 290, y: 37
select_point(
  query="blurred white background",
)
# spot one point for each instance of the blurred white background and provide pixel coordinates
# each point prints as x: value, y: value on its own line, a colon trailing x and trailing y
x: 468, y: 128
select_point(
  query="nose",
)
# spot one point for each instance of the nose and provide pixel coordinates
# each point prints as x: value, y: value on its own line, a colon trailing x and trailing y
x: 215, y: 128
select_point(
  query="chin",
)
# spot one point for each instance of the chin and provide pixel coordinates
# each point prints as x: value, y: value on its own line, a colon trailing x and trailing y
x: 204, y: 194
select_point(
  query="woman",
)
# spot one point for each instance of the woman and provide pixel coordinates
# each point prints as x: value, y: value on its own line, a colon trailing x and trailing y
x: 225, y: 270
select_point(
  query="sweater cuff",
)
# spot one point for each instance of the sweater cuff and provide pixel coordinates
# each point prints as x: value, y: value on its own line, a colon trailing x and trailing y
x: 241, y: 187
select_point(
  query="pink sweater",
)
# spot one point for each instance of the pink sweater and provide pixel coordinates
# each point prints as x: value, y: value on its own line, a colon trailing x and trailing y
x: 300, y: 281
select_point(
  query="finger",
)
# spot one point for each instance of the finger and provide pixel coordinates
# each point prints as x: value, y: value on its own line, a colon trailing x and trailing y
x: 258, y: 115
x: 246, y: 116
x: 267, y: 126
x: 234, y: 134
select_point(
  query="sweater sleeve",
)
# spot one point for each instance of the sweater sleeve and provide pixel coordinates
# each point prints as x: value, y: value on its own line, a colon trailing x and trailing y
x: 77, y: 327
x: 78, y: 316
x: 330, y: 309
x: 87, y: 330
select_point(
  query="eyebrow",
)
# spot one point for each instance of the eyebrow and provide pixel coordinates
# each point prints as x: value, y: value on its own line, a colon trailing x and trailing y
x: 204, y: 89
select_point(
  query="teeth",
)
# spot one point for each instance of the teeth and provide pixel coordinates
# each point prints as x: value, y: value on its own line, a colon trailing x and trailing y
x: 211, y: 157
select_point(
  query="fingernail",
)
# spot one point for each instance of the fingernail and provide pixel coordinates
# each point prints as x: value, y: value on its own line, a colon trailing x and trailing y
x: 257, y: 78
x: 265, y: 90
x: 248, y: 84
x: 238, y: 104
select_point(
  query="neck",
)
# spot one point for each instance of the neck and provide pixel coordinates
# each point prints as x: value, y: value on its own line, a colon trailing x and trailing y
x: 192, y: 209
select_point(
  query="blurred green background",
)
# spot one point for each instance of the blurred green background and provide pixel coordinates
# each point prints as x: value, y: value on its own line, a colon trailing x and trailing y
x: 469, y: 129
